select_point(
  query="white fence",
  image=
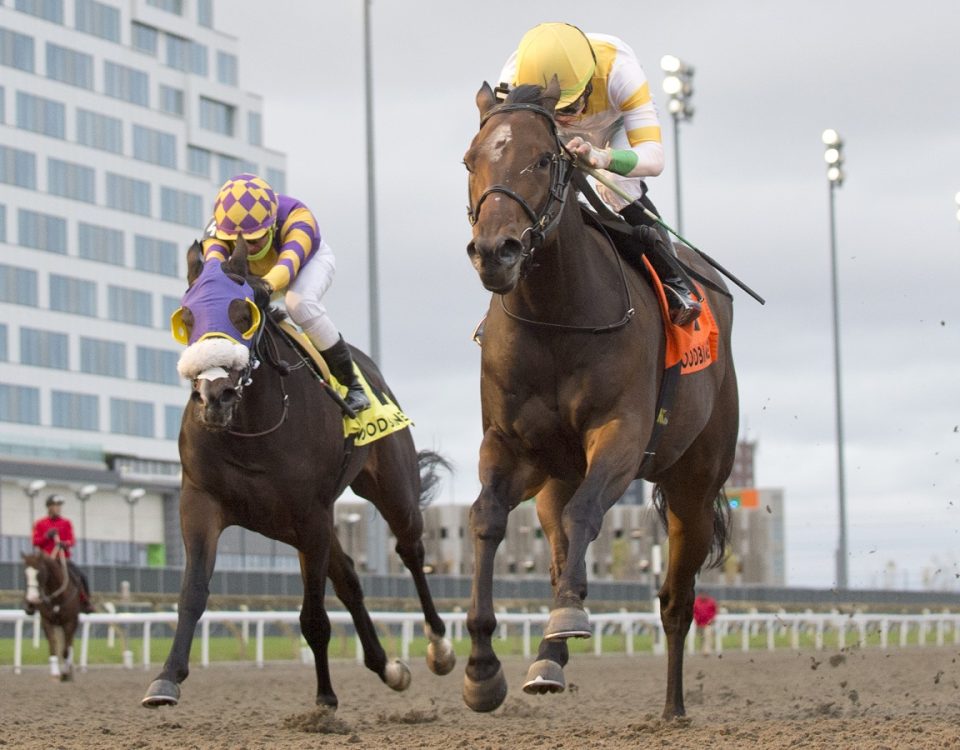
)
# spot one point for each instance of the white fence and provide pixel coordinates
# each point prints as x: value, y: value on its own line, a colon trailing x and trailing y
x: 852, y: 629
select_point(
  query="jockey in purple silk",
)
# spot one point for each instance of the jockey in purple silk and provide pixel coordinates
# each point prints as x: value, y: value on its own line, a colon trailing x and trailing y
x: 285, y: 249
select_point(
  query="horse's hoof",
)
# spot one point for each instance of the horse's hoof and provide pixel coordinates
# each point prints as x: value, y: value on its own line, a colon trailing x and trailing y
x: 567, y: 622
x: 66, y: 677
x: 544, y: 676
x: 397, y: 675
x: 486, y: 695
x: 440, y: 656
x: 161, y: 693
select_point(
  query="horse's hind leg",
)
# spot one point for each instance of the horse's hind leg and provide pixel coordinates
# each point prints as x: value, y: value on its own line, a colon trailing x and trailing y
x: 690, y: 489
x: 346, y: 585
x: 391, y: 482
x: 200, y: 522
x: 546, y: 673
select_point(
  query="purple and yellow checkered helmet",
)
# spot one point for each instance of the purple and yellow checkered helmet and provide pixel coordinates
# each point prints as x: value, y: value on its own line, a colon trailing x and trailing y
x: 246, y: 206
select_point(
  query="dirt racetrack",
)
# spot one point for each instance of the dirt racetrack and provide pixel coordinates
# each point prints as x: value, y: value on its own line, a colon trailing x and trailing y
x: 905, y: 698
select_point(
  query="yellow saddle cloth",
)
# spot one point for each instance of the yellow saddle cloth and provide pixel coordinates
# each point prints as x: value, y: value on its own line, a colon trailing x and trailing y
x: 383, y: 417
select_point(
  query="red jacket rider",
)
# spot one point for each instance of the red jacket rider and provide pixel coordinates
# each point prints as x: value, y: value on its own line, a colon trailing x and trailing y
x: 53, y: 528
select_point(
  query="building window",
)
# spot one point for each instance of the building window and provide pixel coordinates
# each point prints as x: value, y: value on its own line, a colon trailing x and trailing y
x: 128, y: 194
x: 69, y: 66
x: 3, y: 223
x: 155, y: 256
x: 144, y: 38
x: 19, y: 285
x: 3, y: 343
x: 157, y: 366
x: 73, y: 181
x: 154, y: 146
x: 16, y: 50
x: 171, y: 100
x: 131, y: 417
x: 229, y: 166
x: 18, y: 167
x: 205, y: 13
x: 77, y: 296
x: 48, y: 10
x: 172, y: 416
x: 171, y: 6
x: 42, y: 231
x: 102, y: 244
x: 217, y: 116
x: 100, y: 357
x: 43, y: 348
x: 3, y: 102
x: 169, y: 306
x: 98, y: 19
x: 100, y: 131
x: 129, y: 306
x: 125, y: 83
x: 75, y: 411
x: 226, y: 68
x: 255, y: 128
x: 277, y: 179
x: 198, y: 161
x: 180, y: 207
x: 44, y: 116
x: 198, y: 59
x: 19, y: 403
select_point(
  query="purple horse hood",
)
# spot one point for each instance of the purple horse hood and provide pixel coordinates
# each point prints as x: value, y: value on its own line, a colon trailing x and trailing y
x: 209, y: 300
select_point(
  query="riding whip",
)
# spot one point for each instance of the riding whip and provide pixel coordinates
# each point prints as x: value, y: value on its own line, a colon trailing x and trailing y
x: 603, y: 179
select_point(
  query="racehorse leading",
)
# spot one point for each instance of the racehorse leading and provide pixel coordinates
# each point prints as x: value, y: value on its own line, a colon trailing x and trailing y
x: 262, y: 446
x: 52, y: 592
x: 572, y: 360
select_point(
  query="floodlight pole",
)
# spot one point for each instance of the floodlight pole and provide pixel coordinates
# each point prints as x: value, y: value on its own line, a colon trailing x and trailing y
x: 376, y: 527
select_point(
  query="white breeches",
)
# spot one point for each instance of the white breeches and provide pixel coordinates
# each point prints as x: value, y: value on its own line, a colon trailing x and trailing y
x: 303, y: 298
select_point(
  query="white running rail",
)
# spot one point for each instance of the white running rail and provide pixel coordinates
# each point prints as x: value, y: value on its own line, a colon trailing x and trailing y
x: 844, y: 629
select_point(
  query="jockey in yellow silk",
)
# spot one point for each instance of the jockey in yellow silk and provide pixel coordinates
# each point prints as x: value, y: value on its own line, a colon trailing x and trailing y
x: 609, y: 120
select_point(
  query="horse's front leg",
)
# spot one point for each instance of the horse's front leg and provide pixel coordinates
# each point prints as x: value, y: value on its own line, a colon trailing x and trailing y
x: 612, y: 460
x: 201, y: 524
x: 53, y: 642
x: 69, y: 629
x: 504, y: 483
x: 314, y: 543
x: 545, y: 675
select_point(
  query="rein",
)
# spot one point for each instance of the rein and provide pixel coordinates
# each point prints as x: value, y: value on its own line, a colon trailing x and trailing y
x: 259, y: 353
x: 562, y: 170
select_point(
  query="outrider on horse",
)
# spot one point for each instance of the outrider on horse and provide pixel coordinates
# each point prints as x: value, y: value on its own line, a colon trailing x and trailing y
x: 263, y: 446
x: 55, y: 594
x: 575, y: 351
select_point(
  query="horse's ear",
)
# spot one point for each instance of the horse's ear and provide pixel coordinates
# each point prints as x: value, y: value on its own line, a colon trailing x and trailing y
x: 237, y: 262
x: 194, y: 262
x: 551, y: 95
x: 485, y: 99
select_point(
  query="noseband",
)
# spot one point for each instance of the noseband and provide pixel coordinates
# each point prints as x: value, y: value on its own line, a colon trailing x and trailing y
x: 561, y: 170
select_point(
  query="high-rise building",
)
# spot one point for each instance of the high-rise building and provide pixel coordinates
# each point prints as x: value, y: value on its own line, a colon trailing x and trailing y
x: 118, y: 121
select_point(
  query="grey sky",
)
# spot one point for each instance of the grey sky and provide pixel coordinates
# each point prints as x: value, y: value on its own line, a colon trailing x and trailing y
x: 769, y: 77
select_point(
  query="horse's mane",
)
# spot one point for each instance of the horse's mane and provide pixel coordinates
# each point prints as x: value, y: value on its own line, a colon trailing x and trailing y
x: 527, y: 93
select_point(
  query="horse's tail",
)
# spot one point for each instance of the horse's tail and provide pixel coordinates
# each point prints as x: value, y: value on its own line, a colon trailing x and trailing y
x: 430, y: 463
x: 721, y: 524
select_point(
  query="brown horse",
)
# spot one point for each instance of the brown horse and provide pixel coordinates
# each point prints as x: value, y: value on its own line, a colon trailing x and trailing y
x: 53, y: 592
x: 262, y: 446
x: 573, y: 357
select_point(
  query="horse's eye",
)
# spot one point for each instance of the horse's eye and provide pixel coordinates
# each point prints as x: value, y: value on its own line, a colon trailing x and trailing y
x: 544, y: 161
x: 467, y: 167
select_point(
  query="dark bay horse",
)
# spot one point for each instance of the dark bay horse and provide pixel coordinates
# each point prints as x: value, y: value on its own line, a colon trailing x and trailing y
x: 262, y: 446
x: 573, y: 357
x: 53, y: 592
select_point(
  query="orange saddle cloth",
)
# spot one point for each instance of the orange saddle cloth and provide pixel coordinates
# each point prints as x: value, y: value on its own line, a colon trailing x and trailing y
x: 694, y: 345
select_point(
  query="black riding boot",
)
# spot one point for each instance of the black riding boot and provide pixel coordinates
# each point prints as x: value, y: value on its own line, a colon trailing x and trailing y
x: 341, y: 365
x: 681, y: 301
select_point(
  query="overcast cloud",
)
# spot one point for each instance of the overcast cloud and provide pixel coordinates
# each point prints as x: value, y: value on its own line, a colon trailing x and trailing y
x: 769, y: 77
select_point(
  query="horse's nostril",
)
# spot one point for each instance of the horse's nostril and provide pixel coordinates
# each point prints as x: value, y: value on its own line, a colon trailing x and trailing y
x: 508, y: 250
x: 196, y: 397
x: 471, y: 249
x: 228, y: 396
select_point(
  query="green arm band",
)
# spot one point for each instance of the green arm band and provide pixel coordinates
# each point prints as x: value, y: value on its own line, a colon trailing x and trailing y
x: 622, y: 161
